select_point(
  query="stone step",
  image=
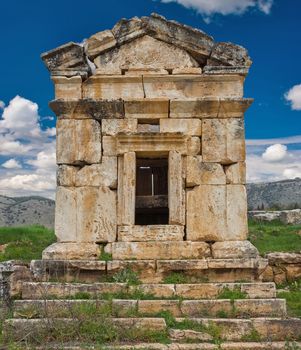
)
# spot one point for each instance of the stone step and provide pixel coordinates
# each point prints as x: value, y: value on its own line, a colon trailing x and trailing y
x: 153, y: 271
x: 186, y: 346
x: 42, y: 290
x: 263, y: 329
x: 234, y: 330
x: 20, y: 329
x: 124, y: 307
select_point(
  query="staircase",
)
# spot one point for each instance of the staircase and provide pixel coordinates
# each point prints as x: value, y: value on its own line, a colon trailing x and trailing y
x: 184, y: 309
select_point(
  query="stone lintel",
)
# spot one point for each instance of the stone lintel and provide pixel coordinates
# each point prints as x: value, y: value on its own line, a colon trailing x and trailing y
x: 139, y: 233
x: 151, y: 144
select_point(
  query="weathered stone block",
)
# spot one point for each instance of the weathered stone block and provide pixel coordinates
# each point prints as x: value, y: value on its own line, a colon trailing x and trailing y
x: 223, y: 140
x: 109, y: 146
x: 127, y: 189
x: 146, y: 108
x: 65, y: 214
x: 176, y: 195
x: 96, y: 214
x: 150, y: 233
x: 237, y: 213
x: 236, y: 173
x: 234, y: 249
x: 113, y: 87
x: 167, y: 266
x: 152, y: 307
x: 179, y: 87
x: 159, y: 250
x: 188, y: 70
x: 72, y: 251
x: 191, y: 127
x: 68, y: 88
x: 146, y: 269
x: 193, y: 146
x: 78, y: 141
x: 99, y: 43
x: 112, y: 127
x: 200, y: 173
x: 194, y: 108
x: 206, y: 213
x: 145, y: 71
x: 104, y: 174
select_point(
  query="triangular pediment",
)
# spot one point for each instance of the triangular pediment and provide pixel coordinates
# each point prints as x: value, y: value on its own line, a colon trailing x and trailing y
x: 154, y: 41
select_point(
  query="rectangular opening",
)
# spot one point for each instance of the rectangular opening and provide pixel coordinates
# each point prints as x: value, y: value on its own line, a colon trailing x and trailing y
x: 151, y: 192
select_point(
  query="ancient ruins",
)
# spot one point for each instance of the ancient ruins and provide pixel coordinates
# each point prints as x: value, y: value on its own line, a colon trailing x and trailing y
x: 151, y: 211
x: 150, y: 144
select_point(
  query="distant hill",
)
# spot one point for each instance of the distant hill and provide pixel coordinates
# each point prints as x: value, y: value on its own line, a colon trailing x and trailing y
x: 284, y: 194
x: 21, y: 211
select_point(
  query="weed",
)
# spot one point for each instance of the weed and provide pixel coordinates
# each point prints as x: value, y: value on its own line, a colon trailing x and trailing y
x: 232, y: 294
x: 126, y: 276
x: 176, y: 278
x: 252, y: 336
x: 104, y: 256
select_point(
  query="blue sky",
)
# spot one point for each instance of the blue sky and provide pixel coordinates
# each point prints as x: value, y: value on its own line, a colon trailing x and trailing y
x: 270, y: 30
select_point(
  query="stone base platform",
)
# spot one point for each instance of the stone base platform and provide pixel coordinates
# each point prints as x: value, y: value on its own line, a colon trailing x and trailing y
x: 151, y: 271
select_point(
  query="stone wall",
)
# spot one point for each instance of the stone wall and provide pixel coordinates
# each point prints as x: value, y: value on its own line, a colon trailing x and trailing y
x: 283, y: 267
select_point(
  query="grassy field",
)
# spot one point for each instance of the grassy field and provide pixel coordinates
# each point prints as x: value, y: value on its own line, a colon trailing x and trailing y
x: 28, y: 242
x: 275, y: 237
x: 25, y: 243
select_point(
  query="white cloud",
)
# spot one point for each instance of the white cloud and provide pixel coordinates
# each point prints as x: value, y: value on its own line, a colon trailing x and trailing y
x: 278, y: 161
x: 275, y: 153
x: 293, y: 96
x: 22, y: 135
x: 292, y: 173
x: 224, y: 7
x: 2, y: 104
x: 12, y: 164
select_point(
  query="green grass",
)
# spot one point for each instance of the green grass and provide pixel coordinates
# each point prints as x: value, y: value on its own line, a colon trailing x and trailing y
x: 274, y: 236
x: 232, y: 294
x: 25, y: 243
x: 293, y: 302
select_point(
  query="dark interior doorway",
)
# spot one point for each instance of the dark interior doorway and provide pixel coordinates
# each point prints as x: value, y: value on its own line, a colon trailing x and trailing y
x: 151, y: 192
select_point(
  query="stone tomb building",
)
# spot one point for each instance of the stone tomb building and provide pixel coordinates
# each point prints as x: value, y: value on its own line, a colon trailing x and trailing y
x: 150, y: 145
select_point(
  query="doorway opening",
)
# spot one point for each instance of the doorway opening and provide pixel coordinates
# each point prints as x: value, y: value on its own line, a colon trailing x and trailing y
x: 151, y: 192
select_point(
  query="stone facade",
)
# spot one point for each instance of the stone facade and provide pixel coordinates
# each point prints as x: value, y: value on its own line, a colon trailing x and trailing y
x: 150, y: 144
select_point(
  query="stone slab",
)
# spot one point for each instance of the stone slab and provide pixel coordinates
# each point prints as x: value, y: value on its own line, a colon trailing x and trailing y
x: 234, y: 249
x: 112, y: 127
x: 202, y: 173
x: 157, y: 108
x: 159, y: 250
x: 113, y: 87
x: 71, y: 251
x: 223, y: 140
x: 192, y: 127
x: 196, y: 86
x: 78, y: 141
x: 138, y: 233
x: 95, y: 175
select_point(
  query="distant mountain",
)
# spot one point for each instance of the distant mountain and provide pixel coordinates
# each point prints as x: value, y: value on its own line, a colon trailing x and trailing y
x: 284, y: 194
x: 21, y: 211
